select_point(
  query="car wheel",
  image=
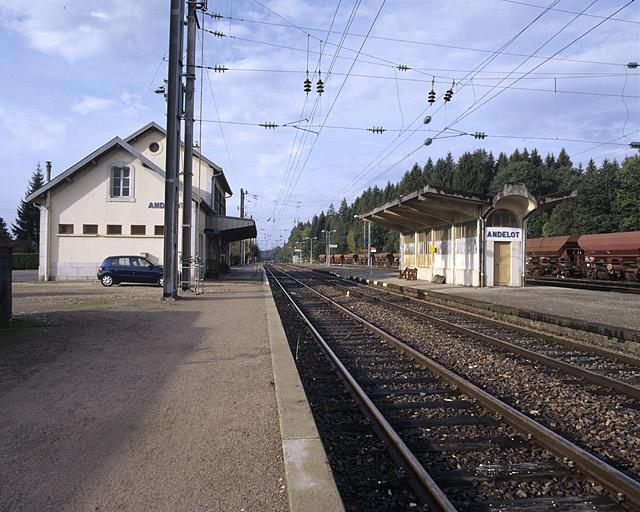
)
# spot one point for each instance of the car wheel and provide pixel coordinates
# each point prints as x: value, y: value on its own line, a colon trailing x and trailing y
x: 160, y: 281
x: 106, y: 280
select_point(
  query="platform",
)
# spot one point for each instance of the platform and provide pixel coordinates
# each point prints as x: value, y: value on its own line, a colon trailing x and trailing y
x: 603, y: 316
x: 112, y: 399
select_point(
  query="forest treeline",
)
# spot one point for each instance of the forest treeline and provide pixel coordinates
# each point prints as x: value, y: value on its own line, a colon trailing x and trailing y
x: 608, y: 197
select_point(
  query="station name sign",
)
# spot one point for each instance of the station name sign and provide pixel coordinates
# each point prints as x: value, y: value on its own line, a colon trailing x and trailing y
x: 159, y: 205
x: 504, y: 234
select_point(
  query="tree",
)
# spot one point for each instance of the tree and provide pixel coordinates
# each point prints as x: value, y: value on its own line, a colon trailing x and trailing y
x: 627, y: 200
x: 4, y: 232
x: 27, y: 225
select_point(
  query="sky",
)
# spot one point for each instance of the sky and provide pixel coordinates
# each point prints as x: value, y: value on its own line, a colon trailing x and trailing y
x: 533, y: 73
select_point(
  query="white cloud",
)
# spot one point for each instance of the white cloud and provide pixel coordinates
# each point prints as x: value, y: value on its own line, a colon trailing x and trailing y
x: 75, y: 31
x: 26, y: 130
x: 91, y: 104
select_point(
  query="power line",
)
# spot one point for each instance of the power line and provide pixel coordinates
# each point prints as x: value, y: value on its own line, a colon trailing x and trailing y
x: 338, y: 93
x: 481, y: 66
x: 568, y: 12
x: 421, y: 43
x: 422, y: 80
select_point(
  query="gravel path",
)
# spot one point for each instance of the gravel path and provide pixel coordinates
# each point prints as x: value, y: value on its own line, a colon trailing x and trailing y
x: 111, y: 399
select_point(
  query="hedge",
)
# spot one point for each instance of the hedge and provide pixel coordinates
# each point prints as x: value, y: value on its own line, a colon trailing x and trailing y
x: 24, y: 260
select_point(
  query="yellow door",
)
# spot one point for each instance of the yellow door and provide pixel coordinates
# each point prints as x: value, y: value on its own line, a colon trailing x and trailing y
x: 501, y: 263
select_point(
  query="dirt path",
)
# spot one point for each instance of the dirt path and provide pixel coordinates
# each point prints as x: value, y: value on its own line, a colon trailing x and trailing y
x: 114, y: 400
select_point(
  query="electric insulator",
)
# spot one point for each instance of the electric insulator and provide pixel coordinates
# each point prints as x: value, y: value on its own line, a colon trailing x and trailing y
x: 428, y: 142
x: 427, y: 120
x: 403, y: 67
x: 307, y: 86
x: 449, y: 94
x: 634, y: 145
x: 432, y: 93
x: 376, y: 129
x: 479, y: 135
x: 268, y: 126
x: 320, y: 86
x: 632, y: 65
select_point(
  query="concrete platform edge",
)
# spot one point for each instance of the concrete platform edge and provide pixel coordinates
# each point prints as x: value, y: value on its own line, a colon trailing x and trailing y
x: 310, y: 483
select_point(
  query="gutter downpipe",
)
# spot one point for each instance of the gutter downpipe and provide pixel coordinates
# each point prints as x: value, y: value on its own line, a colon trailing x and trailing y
x: 525, y: 223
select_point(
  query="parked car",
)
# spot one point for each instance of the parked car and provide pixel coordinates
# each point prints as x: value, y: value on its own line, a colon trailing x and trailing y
x: 129, y: 269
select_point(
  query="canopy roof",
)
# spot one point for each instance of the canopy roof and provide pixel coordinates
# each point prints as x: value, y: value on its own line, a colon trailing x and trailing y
x: 230, y: 229
x: 430, y: 207
x: 426, y: 208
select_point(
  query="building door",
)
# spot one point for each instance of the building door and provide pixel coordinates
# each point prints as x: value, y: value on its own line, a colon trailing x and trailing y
x: 501, y: 263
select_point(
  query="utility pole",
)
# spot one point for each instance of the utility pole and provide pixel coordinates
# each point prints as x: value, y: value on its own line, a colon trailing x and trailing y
x: 242, y: 194
x: 369, y: 243
x: 188, y: 143
x: 174, y: 114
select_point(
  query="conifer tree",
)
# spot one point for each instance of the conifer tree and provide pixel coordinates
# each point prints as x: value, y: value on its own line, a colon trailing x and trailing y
x: 4, y: 232
x: 27, y: 225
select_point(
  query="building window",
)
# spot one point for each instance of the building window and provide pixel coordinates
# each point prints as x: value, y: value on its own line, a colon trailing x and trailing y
x: 114, y: 229
x: 154, y: 147
x: 89, y: 229
x: 503, y: 219
x: 120, y: 182
x: 158, y: 230
x: 138, y: 229
x: 65, y: 229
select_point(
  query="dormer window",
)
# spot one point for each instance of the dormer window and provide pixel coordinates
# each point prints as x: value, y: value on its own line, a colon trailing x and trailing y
x: 120, y: 182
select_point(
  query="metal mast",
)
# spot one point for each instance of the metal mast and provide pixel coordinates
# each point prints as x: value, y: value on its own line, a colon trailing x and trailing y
x: 174, y: 107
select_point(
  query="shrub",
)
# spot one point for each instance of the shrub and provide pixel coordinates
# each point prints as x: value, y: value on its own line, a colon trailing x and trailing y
x: 24, y: 260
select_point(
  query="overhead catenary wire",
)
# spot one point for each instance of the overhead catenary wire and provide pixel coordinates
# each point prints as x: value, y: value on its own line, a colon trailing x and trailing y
x: 422, y: 43
x: 483, y: 64
x: 335, y: 99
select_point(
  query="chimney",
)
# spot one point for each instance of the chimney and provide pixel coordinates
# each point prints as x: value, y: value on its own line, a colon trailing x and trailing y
x: 48, y: 168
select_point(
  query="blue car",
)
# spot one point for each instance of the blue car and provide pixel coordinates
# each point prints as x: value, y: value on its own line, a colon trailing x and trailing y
x: 129, y: 269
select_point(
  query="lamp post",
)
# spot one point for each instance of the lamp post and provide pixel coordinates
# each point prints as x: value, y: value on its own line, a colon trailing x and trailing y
x: 311, y: 239
x: 327, y: 233
x: 368, y: 240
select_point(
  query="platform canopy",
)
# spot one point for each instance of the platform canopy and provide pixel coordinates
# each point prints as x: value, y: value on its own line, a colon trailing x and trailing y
x: 430, y: 207
x: 427, y: 208
x: 230, y: 229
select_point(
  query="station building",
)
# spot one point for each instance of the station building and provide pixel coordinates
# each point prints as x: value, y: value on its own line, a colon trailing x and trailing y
x: 112, y: 203
x: 469, y: 240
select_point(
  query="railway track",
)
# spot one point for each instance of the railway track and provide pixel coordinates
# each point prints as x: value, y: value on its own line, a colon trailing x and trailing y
x: 464, y: 448
x: 613, y: 370
x: 586, y: 284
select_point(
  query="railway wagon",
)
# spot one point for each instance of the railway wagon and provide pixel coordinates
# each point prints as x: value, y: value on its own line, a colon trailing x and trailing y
x: 553, y: 256
x: 614, y: 256
x: 611, y: 255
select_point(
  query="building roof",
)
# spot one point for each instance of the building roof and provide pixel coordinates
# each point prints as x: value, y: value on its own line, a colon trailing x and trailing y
x: 428, y: 207
x: 116, y: 142
x: 155, y: 126
x: 231, y: 229
x: 125, y: 145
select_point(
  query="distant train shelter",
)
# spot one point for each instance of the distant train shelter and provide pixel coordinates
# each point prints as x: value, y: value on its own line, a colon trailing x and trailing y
x: 470, y: 240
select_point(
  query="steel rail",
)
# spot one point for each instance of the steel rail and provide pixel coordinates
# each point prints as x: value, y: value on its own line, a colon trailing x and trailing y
x: 603, y: 352
x: 603, y: 286
x: 614, y: 480
x: 588, y: 375
x: 391, y: 437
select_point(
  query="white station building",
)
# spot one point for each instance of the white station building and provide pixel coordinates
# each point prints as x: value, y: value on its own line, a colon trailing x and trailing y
x: 469, y: 240
x: 112, y: 203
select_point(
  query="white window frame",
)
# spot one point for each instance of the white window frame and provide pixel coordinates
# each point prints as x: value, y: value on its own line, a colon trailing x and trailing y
x: 110, y: 171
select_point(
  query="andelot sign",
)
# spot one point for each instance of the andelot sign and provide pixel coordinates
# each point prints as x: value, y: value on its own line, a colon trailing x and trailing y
x: 497, y: 234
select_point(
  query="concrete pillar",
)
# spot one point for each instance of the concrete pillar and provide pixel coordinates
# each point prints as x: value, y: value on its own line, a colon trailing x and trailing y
x: 5, y: 283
